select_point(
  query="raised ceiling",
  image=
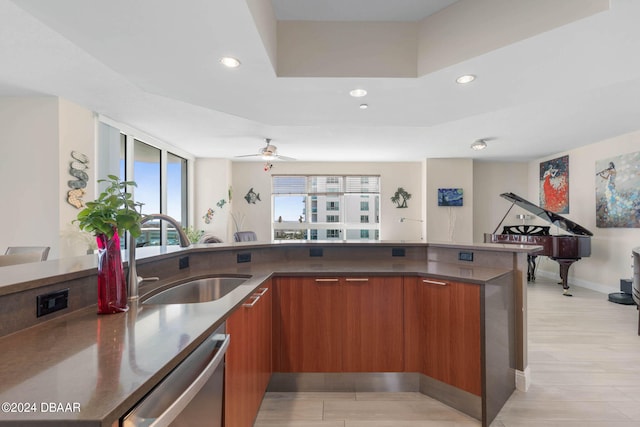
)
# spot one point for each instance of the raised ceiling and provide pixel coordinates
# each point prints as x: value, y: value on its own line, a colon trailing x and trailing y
x: 552, y: 74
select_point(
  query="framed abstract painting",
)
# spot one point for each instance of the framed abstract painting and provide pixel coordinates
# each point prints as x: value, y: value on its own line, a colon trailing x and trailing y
x: 554, y: 185
x: 618, y: 191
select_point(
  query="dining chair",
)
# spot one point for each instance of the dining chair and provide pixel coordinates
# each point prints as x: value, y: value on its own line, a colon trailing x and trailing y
x: 42, y: 250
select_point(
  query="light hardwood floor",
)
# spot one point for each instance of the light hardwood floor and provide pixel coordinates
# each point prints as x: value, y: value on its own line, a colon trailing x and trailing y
x: 584, y: 356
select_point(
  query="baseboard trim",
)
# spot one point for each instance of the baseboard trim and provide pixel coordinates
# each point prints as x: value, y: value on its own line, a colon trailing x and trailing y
x: 523, y: 379
x: 603, y: 289
x: 456, y: 398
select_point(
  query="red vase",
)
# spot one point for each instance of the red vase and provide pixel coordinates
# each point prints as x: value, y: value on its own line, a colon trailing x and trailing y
x: 112, y: 287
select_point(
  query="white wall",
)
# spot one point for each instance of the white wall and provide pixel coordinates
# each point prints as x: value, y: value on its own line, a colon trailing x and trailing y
x: 445, y: 224
x: 29, y: 173
x: 257, y: 217
x: 212, y: 179
x: 77, y: 133
x: 37, y: 136
x: 610, y: 258
x: 490, y: 179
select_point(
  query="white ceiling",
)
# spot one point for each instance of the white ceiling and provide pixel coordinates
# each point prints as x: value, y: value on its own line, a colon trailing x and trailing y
x: 153, y: 65
x: 357, y: 10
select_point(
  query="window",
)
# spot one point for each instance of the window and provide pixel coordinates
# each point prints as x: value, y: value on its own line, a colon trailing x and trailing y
x: 146, y: 174
x: 176, y: 194
x: 348, y: 205
x: 333, y: 234
x: 333, y: 206
x: 161, y: 178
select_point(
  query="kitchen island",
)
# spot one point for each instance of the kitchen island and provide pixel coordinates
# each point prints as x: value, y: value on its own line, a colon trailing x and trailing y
x: 92, y: 369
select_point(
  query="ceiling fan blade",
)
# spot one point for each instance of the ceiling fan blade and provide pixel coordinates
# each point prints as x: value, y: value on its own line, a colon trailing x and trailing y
x: 250, y: 155
x: 284, y: 157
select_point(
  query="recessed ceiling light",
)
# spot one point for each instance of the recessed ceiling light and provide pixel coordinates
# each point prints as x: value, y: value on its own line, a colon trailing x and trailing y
x: 364, y: 106
x: 480, y: 144
x: 229, y: 62
x: 358, y: 93
x: 467, y: 78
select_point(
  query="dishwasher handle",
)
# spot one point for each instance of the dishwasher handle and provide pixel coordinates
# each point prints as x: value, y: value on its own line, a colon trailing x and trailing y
x: 168, y: 414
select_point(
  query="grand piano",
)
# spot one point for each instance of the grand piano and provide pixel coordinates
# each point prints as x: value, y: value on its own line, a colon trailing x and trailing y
x: 565, y: 249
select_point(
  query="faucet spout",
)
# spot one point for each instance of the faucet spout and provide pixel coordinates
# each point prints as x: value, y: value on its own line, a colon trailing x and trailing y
x: 133, y: 279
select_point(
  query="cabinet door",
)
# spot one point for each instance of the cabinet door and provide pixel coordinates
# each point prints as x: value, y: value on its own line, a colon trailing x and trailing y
x: 435, y: 305
x: 237, y: 371
x: 450, y: 317
x: 264, y: 339
x: 373, y: 338
x: 413, y: 357
x: 308, y: 313
x: 466, y: 359
x: 248, y: 359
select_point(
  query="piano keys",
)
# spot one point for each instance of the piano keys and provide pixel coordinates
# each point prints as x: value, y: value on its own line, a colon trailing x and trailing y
x: 565, y: 249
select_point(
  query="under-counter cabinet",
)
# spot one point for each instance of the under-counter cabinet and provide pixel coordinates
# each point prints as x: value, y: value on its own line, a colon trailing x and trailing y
x: 248, y: 360
x: 373, y: 335
x: 445, y: 331
x: 338, y: 324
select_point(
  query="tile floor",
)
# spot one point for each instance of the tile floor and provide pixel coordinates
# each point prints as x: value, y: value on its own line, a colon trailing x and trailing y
x: 584, y: 356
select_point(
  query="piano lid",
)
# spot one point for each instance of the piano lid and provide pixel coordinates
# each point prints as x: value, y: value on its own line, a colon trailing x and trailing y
x: 548, y: 216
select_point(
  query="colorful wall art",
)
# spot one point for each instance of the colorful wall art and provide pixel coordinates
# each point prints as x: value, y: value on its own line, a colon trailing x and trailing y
x: 449, y: 196
x: 618, y: 191
x: 554, y: 185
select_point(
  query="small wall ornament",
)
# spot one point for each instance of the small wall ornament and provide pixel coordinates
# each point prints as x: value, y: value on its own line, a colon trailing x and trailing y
x: 252, y: 197
x: 400, y: 198
x: 208, y: 217
x: 77, y: 169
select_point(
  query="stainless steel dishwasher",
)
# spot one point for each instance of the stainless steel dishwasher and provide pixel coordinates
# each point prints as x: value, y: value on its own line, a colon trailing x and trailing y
x: 191, y: 395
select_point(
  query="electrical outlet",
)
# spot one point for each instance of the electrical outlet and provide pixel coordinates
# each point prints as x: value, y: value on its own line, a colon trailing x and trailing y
x: 316, y: 252
x: 465, y: 256
x: 51, y: 302
x: 397, y: 252
x: 244, y: 257
x: 183, y: 262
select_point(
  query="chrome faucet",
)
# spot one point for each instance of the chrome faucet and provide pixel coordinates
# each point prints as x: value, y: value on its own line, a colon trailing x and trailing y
x: 135, y: 280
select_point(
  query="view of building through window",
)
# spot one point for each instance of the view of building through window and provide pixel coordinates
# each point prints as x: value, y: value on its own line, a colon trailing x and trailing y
x: 326, y: 207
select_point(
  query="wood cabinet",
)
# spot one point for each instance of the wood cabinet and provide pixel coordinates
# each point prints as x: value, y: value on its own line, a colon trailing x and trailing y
x: 307, y: 316
x: 338, y: 324
x: 373, y: 335
x: 443, y: 323
x: 249, y: 358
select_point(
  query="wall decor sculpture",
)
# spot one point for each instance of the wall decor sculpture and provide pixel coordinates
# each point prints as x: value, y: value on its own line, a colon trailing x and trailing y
x: 208, y: 217
x: 77, y: 169
x: 251, y: 197
x: 400, y: 198
x: 618, y: 191
x: 450, y: 197
x: 554, y: 185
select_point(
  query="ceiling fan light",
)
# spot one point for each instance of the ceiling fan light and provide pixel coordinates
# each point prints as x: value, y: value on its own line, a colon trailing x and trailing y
x: 478, y: 145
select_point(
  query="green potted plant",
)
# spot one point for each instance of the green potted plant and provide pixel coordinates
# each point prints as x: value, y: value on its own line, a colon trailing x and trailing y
x: 108, y: 217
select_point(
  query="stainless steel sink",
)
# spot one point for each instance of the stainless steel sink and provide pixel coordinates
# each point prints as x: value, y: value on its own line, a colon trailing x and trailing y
x: 200, y: 290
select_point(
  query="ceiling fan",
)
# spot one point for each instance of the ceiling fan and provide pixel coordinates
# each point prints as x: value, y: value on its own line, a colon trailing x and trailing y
x: 268, y: 152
